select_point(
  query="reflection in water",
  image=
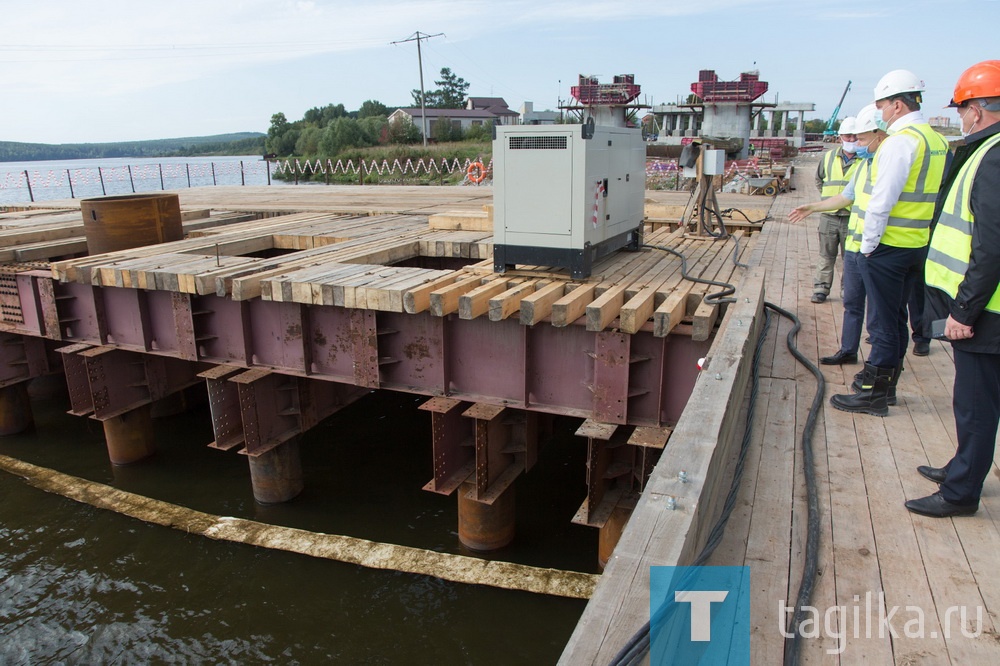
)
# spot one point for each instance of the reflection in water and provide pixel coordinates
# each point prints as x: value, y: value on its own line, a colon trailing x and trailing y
x: 82, y: 585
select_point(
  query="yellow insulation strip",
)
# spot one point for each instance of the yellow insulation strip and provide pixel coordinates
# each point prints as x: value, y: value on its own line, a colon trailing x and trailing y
x: 371, y: 554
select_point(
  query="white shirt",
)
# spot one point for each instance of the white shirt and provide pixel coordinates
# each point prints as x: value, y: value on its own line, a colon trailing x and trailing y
x: 894, y: 158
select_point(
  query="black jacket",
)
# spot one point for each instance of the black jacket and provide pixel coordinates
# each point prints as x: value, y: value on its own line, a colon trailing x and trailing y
x: 983, y: 276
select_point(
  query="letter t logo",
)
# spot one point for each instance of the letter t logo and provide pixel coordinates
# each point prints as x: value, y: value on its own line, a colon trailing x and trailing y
x: 701, y: 607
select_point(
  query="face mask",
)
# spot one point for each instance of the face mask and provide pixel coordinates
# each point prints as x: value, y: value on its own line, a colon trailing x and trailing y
x: 972, y: 127
x: 850, y: 146
x: 884, y: 124
x: 863, y: 152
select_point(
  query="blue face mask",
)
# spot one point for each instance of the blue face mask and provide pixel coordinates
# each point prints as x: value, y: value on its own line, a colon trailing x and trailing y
x: 863, y: 152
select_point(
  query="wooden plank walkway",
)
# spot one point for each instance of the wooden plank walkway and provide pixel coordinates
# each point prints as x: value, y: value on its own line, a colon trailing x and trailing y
x: 874, y: 555
x: 870, y: 545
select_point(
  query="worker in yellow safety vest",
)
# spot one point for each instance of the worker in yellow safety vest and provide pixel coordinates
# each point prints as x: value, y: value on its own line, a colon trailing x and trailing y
x: 832, y: 175
x: 962, y: 274
x: 894, y: 205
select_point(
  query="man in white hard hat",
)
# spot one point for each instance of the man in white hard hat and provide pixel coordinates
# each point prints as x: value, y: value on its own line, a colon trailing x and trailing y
x: 899, y: 204
x: 832, y: 175
x: 894, y: 204
x: 868, y: 137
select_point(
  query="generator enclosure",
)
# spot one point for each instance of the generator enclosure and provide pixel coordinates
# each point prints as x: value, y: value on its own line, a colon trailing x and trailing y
x: 566, y: 195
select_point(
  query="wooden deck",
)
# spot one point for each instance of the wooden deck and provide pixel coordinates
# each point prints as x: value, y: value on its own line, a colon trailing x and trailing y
x: 358, y: 255
x: 866, y: 466
x: 870, y: 544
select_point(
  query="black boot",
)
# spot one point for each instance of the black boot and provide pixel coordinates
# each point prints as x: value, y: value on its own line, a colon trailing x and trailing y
x: 890, y: 396
x: 872, y: 398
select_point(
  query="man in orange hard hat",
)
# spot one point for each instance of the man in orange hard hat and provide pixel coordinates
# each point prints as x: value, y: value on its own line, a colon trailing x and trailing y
x: 962, y: 274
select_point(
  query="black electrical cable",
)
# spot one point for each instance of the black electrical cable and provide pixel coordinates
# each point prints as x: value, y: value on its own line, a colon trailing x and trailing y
x: 811, y: 569
x: 633, y: 651
x: 638, y: 645
x: 723, y: 296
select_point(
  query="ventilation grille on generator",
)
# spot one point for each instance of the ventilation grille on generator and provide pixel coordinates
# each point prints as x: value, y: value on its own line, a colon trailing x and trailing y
x: 537, y: 142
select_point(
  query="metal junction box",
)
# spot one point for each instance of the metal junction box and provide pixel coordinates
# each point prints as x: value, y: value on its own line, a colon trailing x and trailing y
x: 566, y: 195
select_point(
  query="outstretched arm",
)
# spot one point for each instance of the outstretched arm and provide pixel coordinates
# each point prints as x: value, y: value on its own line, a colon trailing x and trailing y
x: 835, y: 202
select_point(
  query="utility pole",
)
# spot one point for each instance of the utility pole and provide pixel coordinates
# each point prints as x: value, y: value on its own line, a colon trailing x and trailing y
x: 416, y: 37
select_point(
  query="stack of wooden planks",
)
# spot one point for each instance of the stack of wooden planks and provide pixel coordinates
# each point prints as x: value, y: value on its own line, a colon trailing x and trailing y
x: 40, y: 235
x: 216, y: 261
x: 352, y: 261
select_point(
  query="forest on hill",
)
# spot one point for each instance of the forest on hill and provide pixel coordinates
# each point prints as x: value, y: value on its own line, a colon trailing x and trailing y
x: 238, y: 143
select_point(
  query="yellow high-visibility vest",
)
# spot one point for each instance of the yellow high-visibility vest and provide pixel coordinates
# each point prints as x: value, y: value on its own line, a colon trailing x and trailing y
x: 951, y: 244
x: 910, y: 219
x: 835, y: 176
x: 856, y: 225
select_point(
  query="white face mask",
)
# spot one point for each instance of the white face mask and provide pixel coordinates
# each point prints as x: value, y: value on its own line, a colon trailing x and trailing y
x: 850, y: 146
x: 972, y: 127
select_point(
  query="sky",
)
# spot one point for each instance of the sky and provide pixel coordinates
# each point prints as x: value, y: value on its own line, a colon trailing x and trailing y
x: 111, y: 70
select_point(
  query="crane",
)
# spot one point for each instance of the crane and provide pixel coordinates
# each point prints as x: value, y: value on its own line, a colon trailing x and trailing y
x: 829, y: 131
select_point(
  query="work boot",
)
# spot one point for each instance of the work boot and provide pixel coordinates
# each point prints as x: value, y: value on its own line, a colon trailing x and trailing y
x: 890, y: 397
x: 871, y: 399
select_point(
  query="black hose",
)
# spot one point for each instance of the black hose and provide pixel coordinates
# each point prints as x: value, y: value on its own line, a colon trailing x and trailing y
x: 723, y: 296
x: 635, y: 649
x: 638, y: 645
x: 811, y: 569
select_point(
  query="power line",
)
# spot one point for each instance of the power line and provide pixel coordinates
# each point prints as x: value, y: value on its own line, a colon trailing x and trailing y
x: 416, y: 37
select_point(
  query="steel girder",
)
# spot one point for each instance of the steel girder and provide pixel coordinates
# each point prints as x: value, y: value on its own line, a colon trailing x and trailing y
x: 258, y: 409
x: 608, y: 376
x: 486, y: 445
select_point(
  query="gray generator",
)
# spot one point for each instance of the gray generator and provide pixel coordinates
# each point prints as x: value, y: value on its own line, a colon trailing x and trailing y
x: 566, y: 195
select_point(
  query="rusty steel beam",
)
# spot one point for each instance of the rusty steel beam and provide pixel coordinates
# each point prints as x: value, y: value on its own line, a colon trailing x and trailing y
x: 608, y: 376
x: 259, y: 409
x: 486, y: 446
x: 452, y: 445
x: 24, y: 357
x: 109, y: 382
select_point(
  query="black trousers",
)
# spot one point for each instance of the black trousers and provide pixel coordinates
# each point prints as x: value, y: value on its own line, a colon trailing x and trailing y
x: 889, y: 274
x: 977, y: 412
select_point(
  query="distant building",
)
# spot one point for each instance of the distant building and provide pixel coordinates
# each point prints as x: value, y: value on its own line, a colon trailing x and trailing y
x: 939, y: 121
x: 531, y: 117
x: 495, y: 105
x: 459, y: 118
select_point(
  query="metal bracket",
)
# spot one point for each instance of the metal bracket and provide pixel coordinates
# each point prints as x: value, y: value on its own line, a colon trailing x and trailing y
x: 110, y: 382
x: 260, y: 409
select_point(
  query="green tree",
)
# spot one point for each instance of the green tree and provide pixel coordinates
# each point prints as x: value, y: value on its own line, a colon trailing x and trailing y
x: 449, y: 95
x: 482, y: 132
x: 374, y: 129
x: 340, y: 134
x: 275, y: 133
x: 818, y: 126
x: 372, y: 108
x: 402, y: 132
x: 321, y: 116
x: 446, y: 130
x: 308, y: 141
